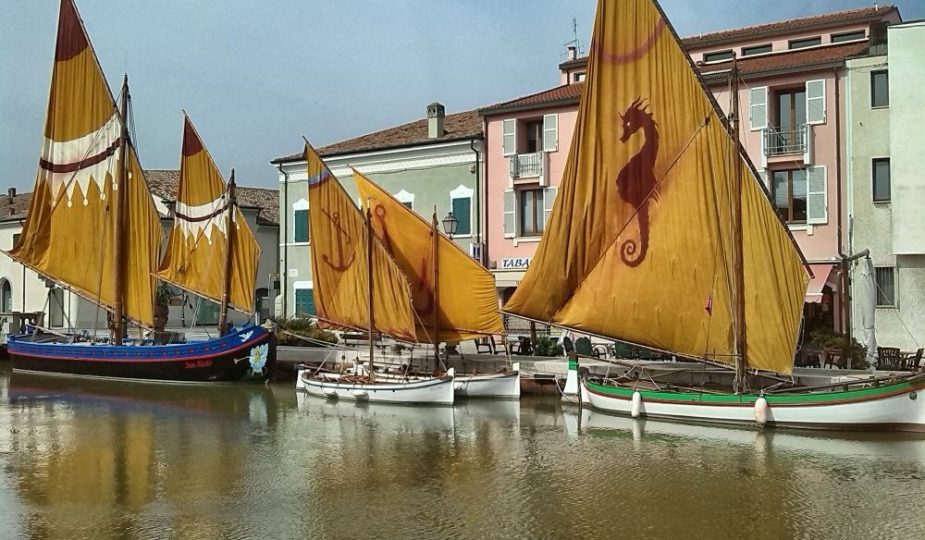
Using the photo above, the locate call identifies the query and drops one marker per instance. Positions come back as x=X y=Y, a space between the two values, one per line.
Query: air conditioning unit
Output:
x=475 y=249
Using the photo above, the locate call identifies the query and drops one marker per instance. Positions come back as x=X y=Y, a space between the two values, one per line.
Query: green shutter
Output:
x=304 y=303
x=462 y=211
x=301 y=226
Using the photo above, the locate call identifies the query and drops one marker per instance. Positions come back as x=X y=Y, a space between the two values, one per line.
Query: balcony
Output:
x=527 y=165
x=780 y=142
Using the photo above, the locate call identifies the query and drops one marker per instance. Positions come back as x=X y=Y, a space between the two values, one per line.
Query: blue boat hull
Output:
x=245 y=354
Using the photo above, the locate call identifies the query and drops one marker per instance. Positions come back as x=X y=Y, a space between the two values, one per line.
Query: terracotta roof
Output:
x=790 y=25
x=163 y=183
x=459 y=126
x=799 y=59
x=560 y=95
x=14 y=208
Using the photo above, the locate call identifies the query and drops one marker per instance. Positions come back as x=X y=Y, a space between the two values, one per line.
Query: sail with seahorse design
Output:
x=195 y=255
x=340 y=267
x=640 y=244
x=466 y=301
x=71 y=214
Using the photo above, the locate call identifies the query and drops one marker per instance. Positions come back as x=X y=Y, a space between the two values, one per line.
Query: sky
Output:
x=257 y=76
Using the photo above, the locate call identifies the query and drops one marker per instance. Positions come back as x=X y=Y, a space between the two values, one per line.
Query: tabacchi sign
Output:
x=515 y=263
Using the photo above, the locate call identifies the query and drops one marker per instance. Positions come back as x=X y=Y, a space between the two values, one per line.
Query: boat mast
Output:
x=436 y=294
x=118 y=241
x=741 y=344
x=369 y=284
x=229 y=238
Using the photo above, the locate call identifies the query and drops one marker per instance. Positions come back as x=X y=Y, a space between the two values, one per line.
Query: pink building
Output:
x=792 y=107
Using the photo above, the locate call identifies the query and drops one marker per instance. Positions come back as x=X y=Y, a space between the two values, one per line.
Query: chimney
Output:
x=11 y=192
x=435 y=115
x=572 y=52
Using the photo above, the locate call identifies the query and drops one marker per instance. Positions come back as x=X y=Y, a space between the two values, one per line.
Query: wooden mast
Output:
x=118 y=251
x=741 y=343
x=369 y=285
x=436 y=293
x=229 y=255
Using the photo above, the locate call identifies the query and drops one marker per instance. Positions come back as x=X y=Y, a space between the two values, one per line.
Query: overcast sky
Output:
x=256 y=76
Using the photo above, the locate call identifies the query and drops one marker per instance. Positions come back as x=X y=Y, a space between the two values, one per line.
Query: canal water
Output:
x=99 y=459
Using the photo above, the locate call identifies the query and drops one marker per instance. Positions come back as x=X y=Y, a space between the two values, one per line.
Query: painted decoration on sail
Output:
x=338 y=236
x=466 y=300
x=195 y=256
x=71 y=213
x=640 y=239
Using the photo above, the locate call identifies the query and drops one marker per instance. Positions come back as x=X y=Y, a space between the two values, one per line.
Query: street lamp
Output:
x=449 y=225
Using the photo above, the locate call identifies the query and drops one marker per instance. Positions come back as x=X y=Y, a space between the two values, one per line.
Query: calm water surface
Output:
x=95 y=459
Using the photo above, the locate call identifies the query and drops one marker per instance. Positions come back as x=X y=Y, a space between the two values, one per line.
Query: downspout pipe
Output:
x=284 y=271
x=844 y=260
x=485 y=259
x=478 y=200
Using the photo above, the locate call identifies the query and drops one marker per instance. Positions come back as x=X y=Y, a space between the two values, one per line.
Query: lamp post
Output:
x=449 y=225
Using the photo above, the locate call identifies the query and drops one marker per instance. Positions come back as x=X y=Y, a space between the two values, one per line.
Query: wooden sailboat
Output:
x=663 y=236
x=357 y=285
x=91 y=204
x=453 y=296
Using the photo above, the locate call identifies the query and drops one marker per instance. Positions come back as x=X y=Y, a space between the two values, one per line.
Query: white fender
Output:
x=761 y=411
x=458 y=386
x=360 y=394
x=637 y=404
x=451 y=373
x=330 y=393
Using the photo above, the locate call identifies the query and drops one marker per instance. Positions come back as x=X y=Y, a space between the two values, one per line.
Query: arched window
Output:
x=6 y=296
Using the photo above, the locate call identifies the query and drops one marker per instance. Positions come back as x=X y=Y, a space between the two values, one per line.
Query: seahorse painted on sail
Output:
x=636 y=182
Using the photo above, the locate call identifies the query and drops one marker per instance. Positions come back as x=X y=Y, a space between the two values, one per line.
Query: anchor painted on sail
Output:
x=341 y=264
x=636 y=182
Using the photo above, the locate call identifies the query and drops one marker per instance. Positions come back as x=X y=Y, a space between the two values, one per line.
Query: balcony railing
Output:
x=527 y=165
x=781 y=141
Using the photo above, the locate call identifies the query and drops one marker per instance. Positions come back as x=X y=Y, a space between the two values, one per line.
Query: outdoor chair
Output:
x=486 y=344
x=889 y=359
x=913 y=361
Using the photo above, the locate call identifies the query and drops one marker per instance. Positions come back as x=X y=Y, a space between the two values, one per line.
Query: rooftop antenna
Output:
x=574 y=42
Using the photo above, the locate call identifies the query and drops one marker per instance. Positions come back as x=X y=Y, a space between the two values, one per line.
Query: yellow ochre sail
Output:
x=466 y=302
x=340 y=272
x=195 y=257
x=639 y=246
x=71 y=217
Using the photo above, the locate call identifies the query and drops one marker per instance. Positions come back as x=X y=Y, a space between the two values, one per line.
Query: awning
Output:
x=821 y=274
x=508 y=278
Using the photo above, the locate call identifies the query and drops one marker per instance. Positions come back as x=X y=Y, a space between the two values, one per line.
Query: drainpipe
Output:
x=22 y=223
x=284 y=214
x=485 y=259
x=478 y=200
x=844 y=260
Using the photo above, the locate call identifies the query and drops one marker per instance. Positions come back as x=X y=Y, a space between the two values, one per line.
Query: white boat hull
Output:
x=437 y=391
x=890 y=407
x=495 y=385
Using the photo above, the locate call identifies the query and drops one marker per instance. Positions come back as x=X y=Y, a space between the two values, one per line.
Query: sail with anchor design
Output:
x=340 y=267
x=71 y=215
x=466 y=302
x=640 y=242
x=195 y=256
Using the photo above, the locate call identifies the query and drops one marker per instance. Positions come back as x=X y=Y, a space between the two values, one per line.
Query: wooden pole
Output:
x=118 y=251
x=369 y=286
x=741 y=336
x=436 y=302
x=229 y=255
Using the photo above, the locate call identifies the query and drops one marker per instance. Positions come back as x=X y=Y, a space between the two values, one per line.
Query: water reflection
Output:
x=98 y=459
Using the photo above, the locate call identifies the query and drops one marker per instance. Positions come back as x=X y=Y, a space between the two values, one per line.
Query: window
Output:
x=16 y=237
x=849 y=36
x=886 y=286
x=879 y=89
x=530 y=212
x=461 y=206
x=56 y=307
x=304 y=302
x=534 y=137
x=300 y=221
x=6 y=297
x=578 y=77
x=756 y=49
x=406 y=199
x=806 y=42
x=880 y=170
x=791 y=109
x=207 y=312
x=717 y=56
x=789 y=191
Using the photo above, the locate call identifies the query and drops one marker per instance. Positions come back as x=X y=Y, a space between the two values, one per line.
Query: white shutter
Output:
x=509 y=207
x=815 y=101
x=758 y=103
x=549 y=197
x=508 y=136
x=550 y=132
x=816 y=197
x=807 y=146
x=763 y=176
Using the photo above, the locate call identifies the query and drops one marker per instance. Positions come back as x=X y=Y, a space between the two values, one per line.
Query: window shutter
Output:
x=815 y=101
x=508 y=136
x=550 y=132
x=758 y=103
x=462 y=211
x=301 y=226
x=509 y=206
x=304 y=302
x=763 y=176
x=549 y=197
x=816 y=198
